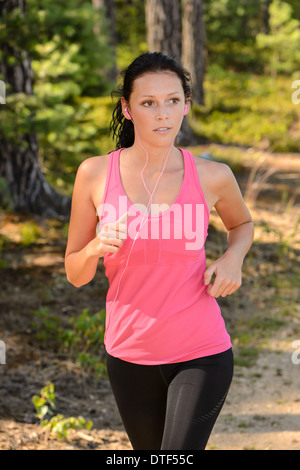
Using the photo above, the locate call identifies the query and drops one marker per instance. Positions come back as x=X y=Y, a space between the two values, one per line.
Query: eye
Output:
x=147 y=103
x=176 y=100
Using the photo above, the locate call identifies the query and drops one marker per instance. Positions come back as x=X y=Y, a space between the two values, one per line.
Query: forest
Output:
x=59 y=65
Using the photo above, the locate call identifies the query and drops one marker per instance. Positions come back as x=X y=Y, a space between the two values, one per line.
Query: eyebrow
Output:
x=153 y=96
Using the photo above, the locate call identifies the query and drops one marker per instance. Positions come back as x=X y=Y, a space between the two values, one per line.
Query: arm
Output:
x=238 y=222
x=81 y=260
x=240 y=239
x=84 y=246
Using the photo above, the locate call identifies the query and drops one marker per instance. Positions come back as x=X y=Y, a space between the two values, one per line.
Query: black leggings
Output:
x=171 y=406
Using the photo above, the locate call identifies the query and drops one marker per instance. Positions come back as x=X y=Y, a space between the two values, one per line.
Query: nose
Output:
x=162 y=113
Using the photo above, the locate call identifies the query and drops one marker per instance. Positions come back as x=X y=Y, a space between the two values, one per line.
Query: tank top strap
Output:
x=111 y=179
x=190 y=167
x=114 y=159
x=113 y=175
x=192 y=176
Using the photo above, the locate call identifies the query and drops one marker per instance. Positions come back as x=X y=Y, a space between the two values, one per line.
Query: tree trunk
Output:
x=164 y=27
x=19 y=159
x=164 y=34
x=266 y=16
x=110 y=14
x=193 y=45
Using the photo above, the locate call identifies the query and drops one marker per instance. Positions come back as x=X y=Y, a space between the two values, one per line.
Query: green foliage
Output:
x=70 y=110
x=58 y=424
x=234 y=114
x=87 y=330
x=69 y=60
x=127 y=53
x=45 y=401
x=231 y=27
x=232 y=19
x=281 y=45
x=68 y=50
x=246 y=357
x=130 y=19
x=240 y=37
x=46 y=324
x=29 y=233
x=82 y=341
x=286 y=240
x=3 y=242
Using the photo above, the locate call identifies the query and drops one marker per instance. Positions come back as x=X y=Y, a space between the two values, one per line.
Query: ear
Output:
x=187 y=107
x=125 y=111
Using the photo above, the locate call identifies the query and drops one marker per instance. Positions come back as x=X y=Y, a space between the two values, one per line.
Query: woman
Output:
x=169 y=356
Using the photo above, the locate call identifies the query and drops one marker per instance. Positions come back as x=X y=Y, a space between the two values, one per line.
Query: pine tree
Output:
x=281 y=44
x=50 y=56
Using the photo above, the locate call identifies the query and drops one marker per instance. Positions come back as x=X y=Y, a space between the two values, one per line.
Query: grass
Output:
x=82 y=340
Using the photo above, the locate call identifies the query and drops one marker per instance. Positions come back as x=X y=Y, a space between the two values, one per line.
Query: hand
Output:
x=228 y=271
x=111 y=236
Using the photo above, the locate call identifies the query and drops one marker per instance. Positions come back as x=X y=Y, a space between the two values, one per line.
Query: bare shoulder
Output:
x=211 y=176
x=92 y=167
x=92 y=173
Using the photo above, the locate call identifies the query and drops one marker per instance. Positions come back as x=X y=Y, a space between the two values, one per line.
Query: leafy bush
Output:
x=281 y=45
x=58 y=424
x=247 y=110
x=82 y=341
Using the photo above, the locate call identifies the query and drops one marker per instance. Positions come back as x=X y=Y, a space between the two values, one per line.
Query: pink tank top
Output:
x=158 y=310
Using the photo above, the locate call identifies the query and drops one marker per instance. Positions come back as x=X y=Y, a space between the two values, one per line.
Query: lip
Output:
x=162 y=130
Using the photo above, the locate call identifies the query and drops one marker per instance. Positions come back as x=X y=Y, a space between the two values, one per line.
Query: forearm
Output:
x=240 y=240
x=81 y=265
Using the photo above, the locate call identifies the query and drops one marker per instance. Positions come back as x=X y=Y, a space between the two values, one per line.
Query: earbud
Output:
x=185 y=110
x=126 y=113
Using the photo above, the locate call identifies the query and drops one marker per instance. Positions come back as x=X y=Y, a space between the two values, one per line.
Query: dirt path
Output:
x=263 y=407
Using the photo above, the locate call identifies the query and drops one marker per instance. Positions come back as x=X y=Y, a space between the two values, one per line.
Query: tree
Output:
x=266 y=16
x=108 y=6
x=281 y=44
x=164 y=33
x=193 y=45
x=19 y=162
x=50 y=58
x=164 y=26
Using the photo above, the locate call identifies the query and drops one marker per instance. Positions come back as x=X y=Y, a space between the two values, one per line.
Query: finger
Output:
x=207 y=277
x=111 y=236
x=235 y=287
x=228 y=290
x=217 y=287
x=122 y=219
x=110 y=249
x=121 y=225
x=115 y=242
x=122 y=232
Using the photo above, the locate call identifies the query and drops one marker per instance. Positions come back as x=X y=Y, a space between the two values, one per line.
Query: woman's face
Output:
x=156 y=106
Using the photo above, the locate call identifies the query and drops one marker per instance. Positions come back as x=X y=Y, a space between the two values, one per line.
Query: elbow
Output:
x=242 y=223
x=75 y=284
x=72 y=279
x=77 y=281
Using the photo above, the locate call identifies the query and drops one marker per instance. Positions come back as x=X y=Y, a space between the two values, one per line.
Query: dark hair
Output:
x=122 y=128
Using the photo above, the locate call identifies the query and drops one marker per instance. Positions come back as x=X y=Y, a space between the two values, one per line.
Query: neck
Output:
x=156 y=156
